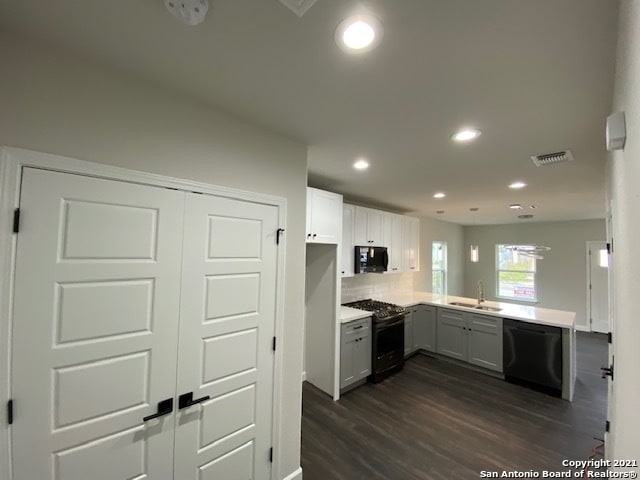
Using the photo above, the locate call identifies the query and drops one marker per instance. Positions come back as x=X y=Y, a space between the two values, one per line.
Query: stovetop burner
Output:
x=380 y=309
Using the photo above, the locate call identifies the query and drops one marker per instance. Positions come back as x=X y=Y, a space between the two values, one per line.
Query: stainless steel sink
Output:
x=486 y=308
x=475 y=306
x=463 y=304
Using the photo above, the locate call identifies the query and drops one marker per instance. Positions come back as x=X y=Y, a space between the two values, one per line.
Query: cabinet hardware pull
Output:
x=186 y=400
x=165 y=407
x=358 y=327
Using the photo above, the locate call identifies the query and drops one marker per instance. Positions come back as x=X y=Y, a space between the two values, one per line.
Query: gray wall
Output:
x=624 y=193
x=562 y=274
x=57 y=103
x=436 y=230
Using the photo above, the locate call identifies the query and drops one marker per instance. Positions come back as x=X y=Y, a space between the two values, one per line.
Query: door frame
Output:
x=12 y=162
x=590 y=243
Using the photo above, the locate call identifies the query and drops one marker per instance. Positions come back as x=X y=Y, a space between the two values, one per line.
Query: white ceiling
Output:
x=536 y=76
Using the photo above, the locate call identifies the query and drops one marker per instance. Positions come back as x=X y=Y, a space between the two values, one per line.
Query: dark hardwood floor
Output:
x=437 y=420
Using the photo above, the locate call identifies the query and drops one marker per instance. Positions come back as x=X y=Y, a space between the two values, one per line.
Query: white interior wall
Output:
x=435 y=230
x=320 y=313
x=624 y=189
x=58 y=103
x=561 y=276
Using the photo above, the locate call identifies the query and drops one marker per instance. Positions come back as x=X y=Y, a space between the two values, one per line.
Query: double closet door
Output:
x=142 y=328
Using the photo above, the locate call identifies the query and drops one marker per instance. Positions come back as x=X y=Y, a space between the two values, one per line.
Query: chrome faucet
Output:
x=480 y=292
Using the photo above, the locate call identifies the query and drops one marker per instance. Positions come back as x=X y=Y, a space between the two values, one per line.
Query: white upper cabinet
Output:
x=393 y=226
x=324 y=216
x=411 y=241
x=348 y=220
x=368 y=227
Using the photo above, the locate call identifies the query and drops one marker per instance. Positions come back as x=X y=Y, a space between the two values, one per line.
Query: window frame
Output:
x=442 y=271
x=499 y=270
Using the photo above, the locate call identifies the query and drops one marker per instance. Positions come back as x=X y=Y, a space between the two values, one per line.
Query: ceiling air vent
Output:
x=299 y=7
x=552 y=158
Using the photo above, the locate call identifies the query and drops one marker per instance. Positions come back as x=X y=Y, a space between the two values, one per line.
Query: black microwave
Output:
x=371 y=259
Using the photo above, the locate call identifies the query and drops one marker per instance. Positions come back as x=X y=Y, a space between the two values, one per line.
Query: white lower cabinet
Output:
x=424 y=328
x=152 y=313
x=470 y=337
x=408 y=332
x=355 y=352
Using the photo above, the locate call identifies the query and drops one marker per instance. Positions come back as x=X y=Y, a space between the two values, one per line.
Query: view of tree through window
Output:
x=516 y=274
x=439 y=267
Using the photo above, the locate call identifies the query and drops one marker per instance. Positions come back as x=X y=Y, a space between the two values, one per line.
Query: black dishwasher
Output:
x=532 y=355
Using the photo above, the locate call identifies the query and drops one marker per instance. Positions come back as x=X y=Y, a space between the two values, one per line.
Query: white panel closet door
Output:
x=226 y=329
x=95 y=326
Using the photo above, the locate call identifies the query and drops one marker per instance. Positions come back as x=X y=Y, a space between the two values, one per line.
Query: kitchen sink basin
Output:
x=475 y=306
x=463 y=304
x=486 y=308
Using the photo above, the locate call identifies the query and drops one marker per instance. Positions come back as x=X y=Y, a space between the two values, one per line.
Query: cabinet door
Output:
x=411 y=241
x=485 y=341
x=368 y=227
x=361 y=223
x=424 y=328
x=452 y=334
x=408 y=333
x=392 y=239
x=348 y=219
x=347 y=363
x=375 y=226
x=325 y=225
x=362 y=357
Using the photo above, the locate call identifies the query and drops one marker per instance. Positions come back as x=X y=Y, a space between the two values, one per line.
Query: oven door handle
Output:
x=391 y=322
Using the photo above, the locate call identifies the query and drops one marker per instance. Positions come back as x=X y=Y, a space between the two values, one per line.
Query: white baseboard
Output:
x=296 y=475
x=304 y=376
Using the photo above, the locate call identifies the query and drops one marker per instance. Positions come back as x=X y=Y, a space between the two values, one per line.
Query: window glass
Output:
x=516 y=273
x=439 y=267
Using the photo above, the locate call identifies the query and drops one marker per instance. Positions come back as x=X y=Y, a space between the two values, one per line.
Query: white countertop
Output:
x=348 y=314
x=526 y=313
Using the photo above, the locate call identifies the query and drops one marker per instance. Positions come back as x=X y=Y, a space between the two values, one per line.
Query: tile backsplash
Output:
x=372 y=285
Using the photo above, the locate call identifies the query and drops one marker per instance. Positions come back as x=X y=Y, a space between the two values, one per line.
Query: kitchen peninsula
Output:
x=479 y=328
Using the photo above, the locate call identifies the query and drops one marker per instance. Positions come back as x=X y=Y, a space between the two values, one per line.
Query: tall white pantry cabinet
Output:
x=143 y=331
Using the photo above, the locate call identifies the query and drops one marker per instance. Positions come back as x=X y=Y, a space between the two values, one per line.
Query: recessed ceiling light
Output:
x=515 y=206
x=361 y=164
x=439 y=195
x=516 y=185
x=439 y=212
x=359 y=33
x=466 y=135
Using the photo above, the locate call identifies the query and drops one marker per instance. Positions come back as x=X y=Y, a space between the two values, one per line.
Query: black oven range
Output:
x=387 y=346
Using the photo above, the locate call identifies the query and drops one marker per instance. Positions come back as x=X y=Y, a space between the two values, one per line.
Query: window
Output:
x=439 y=267
x=516 y=273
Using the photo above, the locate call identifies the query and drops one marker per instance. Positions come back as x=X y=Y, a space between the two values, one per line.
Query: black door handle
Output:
x=186 y=400
x=165 y=407
x=607 y=372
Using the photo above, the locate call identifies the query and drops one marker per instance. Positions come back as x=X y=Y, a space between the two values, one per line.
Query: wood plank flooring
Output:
x=436 y=420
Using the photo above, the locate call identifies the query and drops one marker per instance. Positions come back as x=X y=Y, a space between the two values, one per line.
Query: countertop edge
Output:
x=536 y=314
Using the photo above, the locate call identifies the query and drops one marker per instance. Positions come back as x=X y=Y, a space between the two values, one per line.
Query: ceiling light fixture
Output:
x=466 y=135
x=517 y=185
x=515 y=206
x=474 y=250
x=191 y=12
x=439 y=212
x=439 y=195
x=359 y=33
x=533 y=251
x=361 y=164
